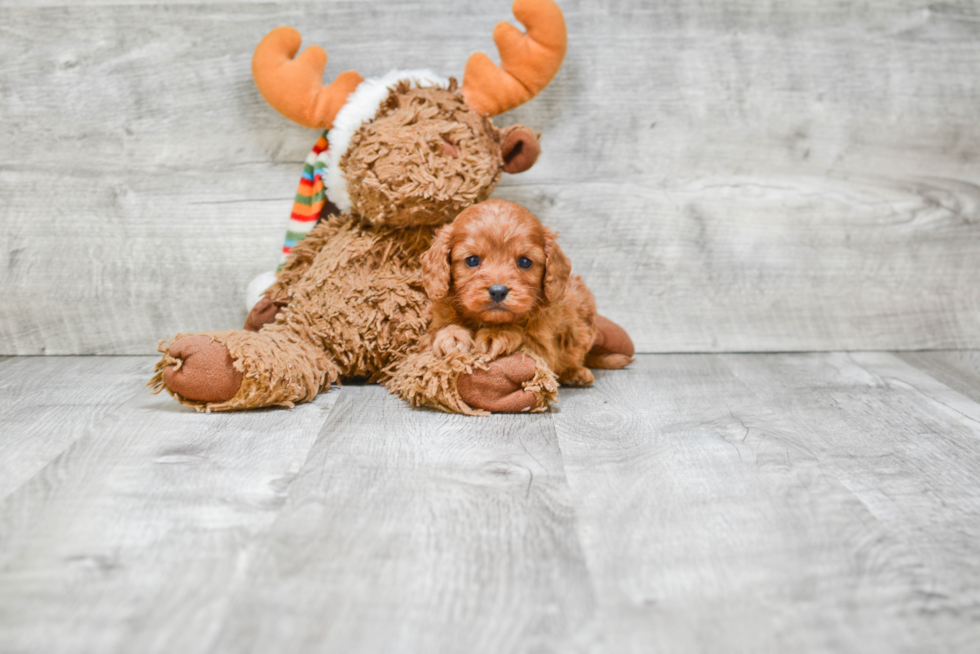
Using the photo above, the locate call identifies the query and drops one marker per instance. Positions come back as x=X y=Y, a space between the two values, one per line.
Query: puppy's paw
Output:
x=577 y=377
x=452 y=339
x=494 y=343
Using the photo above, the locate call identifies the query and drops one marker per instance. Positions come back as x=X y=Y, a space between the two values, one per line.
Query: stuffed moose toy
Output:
x=402 y=155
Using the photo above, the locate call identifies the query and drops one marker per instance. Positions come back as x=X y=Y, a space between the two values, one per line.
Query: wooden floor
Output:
x=693 y=503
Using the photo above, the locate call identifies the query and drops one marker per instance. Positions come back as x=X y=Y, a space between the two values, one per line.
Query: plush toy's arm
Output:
x=277 y=295
x=462 y=382
x=310 y=208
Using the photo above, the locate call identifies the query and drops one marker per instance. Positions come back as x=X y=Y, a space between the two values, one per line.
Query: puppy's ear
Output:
x=435 y=265
x=557 y=268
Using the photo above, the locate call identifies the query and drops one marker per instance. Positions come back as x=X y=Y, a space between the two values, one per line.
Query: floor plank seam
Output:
x=599 y=627
x=68 y=446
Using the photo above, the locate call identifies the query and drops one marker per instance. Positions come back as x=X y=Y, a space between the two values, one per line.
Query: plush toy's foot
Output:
x=613 y=347
x=237 y=369
x=262 y=313
x=201 y=370
x=500 y=388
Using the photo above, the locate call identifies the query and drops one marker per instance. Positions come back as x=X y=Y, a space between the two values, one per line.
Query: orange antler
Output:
x=294 y=87
x=529 y=61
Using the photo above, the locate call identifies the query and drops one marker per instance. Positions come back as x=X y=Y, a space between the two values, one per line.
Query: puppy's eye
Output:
x=524 y=262
x=473 y=261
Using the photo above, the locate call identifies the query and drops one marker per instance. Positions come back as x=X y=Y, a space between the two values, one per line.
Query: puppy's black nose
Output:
x=498 y=292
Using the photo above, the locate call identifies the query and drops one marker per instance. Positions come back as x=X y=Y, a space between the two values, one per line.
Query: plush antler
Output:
x=529 y=61
x=294 y=87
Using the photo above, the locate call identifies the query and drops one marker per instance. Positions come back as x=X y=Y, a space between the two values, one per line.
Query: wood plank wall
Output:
x=727 y=176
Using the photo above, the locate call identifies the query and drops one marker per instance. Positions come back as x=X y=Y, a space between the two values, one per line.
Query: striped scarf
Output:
x=311 y=202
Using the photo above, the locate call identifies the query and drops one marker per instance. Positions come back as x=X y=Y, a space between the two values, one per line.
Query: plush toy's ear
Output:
x=557 y=268
x=435 y=265
x=520 y=148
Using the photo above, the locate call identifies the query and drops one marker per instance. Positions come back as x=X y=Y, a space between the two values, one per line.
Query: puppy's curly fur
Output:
x=499 y=283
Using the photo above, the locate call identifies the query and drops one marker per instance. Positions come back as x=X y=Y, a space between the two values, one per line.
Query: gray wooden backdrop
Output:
x=727 y=176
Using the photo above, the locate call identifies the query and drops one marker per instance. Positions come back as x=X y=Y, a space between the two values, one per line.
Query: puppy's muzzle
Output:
x=498 y=292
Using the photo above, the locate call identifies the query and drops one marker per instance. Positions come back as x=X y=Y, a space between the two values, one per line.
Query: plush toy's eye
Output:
x=524 y=262
x=473 y=261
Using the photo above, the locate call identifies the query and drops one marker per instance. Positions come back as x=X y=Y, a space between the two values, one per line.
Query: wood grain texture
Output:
x=691 y=503
x=773 y=503
x=48 y=403
x=414 y=531
x=132 y=539
x=115 y=278
x=806 y=263
x=958 y=370
x=727 y=175
x=909 y=449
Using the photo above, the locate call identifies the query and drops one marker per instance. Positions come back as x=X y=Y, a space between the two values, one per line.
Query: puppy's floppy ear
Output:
x=435 y=265
x=557 y=268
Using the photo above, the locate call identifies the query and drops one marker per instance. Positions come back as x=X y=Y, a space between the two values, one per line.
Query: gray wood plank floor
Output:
x=692 y=503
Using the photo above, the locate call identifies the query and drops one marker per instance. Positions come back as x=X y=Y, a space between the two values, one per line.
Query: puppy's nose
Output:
x=498 y=292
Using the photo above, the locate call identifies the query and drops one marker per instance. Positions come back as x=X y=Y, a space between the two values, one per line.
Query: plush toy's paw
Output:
x=262 y=313
x=613 y=347
x=500 y=388
x=577 y=377
x=257 y=287
x=452 y=339
x=493 y=343
x=202 y=370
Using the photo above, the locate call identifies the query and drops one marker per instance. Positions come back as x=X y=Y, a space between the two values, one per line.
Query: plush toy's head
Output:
x=410 y=148
x=426 y=156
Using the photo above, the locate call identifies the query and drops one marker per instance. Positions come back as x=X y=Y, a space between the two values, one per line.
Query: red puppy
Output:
x=499 y=283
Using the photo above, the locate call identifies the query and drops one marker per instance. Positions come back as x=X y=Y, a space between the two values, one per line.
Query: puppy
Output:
x=499 y=283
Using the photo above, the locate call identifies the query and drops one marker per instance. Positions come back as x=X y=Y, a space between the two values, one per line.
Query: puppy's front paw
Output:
x=493 y=343
x=577 y=377
x=452 y=339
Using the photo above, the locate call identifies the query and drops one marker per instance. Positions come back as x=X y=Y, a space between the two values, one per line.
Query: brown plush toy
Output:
x=407 y=152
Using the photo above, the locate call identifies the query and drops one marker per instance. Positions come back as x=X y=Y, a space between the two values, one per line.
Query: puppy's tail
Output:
x=612 y=348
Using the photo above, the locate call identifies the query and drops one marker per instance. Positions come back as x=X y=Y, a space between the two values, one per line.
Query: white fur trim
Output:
x=361 y=107
x=257 y=287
